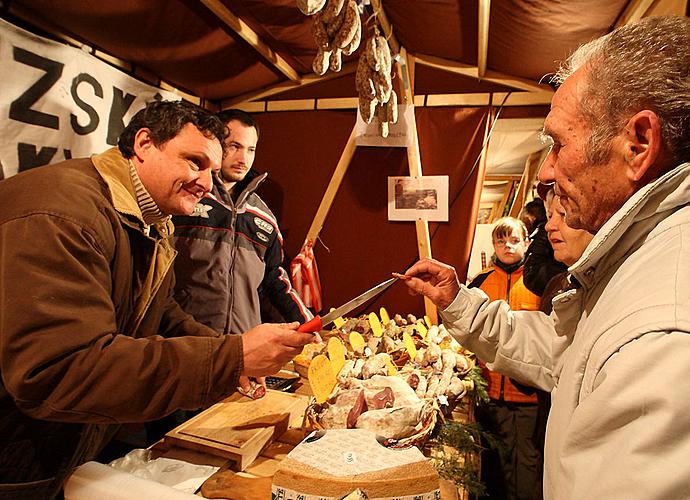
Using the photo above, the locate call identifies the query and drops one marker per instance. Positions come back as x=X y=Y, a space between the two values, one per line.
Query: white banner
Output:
x=59 y=102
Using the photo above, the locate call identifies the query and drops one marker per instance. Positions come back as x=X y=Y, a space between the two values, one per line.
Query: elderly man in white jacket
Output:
x=616 y=351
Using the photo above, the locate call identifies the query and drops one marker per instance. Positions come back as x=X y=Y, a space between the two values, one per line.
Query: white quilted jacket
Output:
x=615 y=353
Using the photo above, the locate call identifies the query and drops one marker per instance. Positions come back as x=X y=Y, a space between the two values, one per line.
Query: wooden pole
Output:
x=415 y=165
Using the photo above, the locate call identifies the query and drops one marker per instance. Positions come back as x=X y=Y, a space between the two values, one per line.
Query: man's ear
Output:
x=643 y=145
x=143 y=143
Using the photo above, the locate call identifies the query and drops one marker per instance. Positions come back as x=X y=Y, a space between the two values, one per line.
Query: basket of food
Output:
x=390 y=376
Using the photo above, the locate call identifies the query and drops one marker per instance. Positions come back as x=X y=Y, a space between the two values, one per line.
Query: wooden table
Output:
x=254 y=481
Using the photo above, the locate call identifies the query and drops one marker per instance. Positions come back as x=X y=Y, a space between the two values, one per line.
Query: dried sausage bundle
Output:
x=375 y=86
x=337 y=30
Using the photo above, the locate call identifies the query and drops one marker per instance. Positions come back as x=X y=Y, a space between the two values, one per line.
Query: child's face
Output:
x=511 y=248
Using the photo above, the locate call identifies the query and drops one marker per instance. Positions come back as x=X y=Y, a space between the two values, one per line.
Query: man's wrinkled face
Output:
x=511 y=248
x=240 y=151
x=177 y=173
x=589 y=194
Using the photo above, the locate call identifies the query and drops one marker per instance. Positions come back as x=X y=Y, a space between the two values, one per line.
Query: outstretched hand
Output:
x=268 y=347
x=433 y=279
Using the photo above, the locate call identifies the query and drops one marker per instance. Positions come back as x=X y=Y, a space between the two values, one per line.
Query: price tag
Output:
x=409 y=345
x=339 y=321
x=375 y=325
x=385 y=318
x=336 y=353
x=427 y=321
x=422 y=330
x=321 y=378
x=392 y=370
x=357 y=341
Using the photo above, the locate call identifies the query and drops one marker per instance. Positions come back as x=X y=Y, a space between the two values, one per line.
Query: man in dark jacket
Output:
x=230 y=249
x=89 y=333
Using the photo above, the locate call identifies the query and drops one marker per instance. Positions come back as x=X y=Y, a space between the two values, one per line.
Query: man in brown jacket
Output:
x=89 y=333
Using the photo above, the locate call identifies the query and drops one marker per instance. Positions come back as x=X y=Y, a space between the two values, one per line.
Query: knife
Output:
x=318 y=322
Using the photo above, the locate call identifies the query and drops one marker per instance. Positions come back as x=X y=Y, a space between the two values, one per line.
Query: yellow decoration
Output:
x=422 y=330
x=409 y=345
x=385 y=319
x=339 y=321
x=427 y=321
x=392 y=370
x=321 y=378
x=375 y=325
x=357 y=341
x=336 y=353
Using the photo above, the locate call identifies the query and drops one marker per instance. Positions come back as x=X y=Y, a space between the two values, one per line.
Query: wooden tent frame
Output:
x=531 y=94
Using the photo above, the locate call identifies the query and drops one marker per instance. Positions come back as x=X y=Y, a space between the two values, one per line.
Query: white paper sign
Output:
x=399 y=134
x=59 y=102
x=418 y=198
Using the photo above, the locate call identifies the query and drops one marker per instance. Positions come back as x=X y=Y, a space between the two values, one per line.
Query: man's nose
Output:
x=241 y=156
x=206 y=179
x=546 y=174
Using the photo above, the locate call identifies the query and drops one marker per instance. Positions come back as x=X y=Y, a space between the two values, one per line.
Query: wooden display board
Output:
x=239 y=428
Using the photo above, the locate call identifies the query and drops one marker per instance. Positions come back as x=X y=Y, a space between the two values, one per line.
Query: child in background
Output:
x=512 y=472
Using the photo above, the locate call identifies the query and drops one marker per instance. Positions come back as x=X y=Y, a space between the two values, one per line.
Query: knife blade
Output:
x=318 y=322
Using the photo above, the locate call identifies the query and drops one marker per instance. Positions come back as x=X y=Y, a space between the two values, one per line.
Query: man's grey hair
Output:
x=645 y=65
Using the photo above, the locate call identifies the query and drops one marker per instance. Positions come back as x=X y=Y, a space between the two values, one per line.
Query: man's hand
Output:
x=433 y=279
x=268 y=347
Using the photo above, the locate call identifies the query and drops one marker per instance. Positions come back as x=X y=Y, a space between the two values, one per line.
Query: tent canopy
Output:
x=459 y=55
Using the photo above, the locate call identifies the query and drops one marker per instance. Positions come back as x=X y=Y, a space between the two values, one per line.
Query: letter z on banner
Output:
x=58 y=102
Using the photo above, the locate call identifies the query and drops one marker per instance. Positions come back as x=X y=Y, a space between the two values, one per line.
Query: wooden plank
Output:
x=292 y=105
x=501 y=178
x=337 y=103
x=524 y=98
x=473 y=72
x=272 y=90
x=483 y=36
x=251 y=37
x=633 y=12
x=415 y=165
x=520 y=196
x=667 y=8
x=332 y=189
x=507 y=192
x=238 y=427
x=470 y=100
x=432 y=100
x=481 y=175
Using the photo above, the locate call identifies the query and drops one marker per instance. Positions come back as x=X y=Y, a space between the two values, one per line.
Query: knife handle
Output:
x=312 y=326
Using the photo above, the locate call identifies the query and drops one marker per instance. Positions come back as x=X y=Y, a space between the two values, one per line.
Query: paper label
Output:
x=357 y=341
x=336 y=353
x=409 y=345
x=321 y=378
x=422 y=330
x=339 y=321
x=375 y=325
x=392 y=370
x=385 y=318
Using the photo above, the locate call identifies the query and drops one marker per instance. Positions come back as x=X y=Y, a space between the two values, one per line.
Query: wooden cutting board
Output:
x=238 y=427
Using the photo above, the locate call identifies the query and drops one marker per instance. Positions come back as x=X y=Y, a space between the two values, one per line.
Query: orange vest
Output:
x=499 y=285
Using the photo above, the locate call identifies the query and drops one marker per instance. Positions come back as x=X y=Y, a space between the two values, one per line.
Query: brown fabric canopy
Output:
x=202 y=48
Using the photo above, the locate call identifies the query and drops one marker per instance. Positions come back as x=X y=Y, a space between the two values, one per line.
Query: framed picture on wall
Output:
x=418 y=198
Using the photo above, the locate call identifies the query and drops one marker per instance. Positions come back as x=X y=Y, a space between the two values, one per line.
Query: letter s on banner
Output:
x=60 y=102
